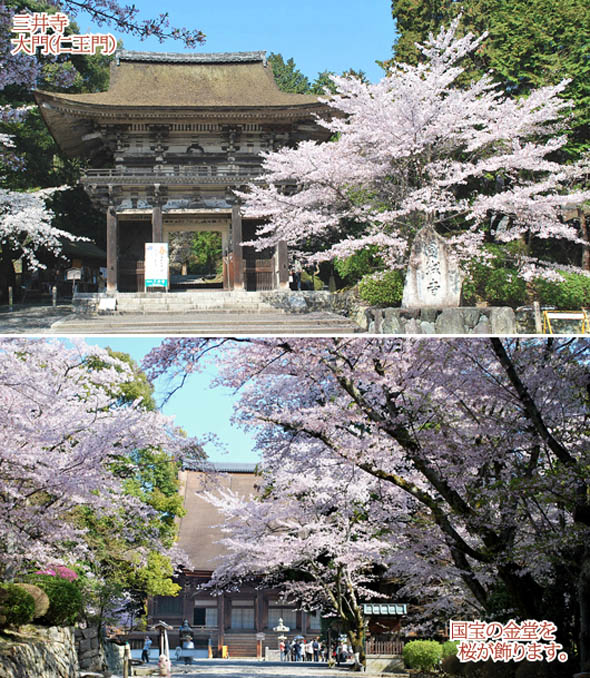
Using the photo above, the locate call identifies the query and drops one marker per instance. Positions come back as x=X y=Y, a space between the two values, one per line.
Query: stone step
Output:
x=193 y=308
x=210 y=324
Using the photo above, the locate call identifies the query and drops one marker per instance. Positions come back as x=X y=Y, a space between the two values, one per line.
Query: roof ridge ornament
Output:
x=191 y=57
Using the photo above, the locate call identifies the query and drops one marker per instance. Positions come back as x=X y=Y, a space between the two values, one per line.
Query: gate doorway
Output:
x=196 y=260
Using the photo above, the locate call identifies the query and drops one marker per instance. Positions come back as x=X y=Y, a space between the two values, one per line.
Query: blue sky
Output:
x=196 y=407
x=319 y=35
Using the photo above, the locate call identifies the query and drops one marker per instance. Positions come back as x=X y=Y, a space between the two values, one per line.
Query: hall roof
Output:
x=155 y=87
x=198 y=532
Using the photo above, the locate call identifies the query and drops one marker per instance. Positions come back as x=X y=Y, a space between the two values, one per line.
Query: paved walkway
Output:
x=236 y=668
x=31 y=319
x=62 y=321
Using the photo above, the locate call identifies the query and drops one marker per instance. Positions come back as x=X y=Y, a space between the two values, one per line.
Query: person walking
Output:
x=145 y=653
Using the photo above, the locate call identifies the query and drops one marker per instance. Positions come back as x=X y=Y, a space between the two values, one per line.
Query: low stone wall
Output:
x=89 y=649
x=379 y=664
x=454 y=321
x=39 y=652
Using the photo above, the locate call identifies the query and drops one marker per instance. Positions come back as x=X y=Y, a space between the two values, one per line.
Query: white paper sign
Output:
x=156 y=264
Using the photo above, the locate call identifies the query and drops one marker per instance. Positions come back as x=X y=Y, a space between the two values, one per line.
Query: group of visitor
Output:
x=300 y=650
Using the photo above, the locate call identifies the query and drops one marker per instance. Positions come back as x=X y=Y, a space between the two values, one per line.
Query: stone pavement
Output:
x=248 y=668
x=31 y=319
x=62 y=321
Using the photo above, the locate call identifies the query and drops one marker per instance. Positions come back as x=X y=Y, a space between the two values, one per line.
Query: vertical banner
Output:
x=156 y=264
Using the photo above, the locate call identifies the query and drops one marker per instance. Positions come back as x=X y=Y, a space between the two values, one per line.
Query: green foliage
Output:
x=449 y=648
x=39 y=596
x=531 y=43
x=323 y=84
x=287 y=76
x=494 y=282
x=382 y=289
x=290 y=79
x=422 y=654
x=572 y=294
x=497 y=282
x=358 y=265
x=311 y=282
x=206 y=254
x=65 y=599
x=116 y=542
x=17 y=606
x=138 y=387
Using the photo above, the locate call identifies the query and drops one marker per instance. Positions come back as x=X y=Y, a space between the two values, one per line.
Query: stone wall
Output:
x=454 y=321
x=40 y=652
x=89 y=649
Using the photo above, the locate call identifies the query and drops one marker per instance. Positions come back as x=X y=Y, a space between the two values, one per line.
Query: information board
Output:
x=156 y=264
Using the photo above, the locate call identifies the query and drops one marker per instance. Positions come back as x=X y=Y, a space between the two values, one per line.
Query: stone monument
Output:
x=433 y=278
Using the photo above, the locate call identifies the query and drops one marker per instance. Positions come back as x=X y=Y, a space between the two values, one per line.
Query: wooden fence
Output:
x=394 y=646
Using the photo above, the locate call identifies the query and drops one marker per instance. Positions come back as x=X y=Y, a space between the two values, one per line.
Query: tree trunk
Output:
x=7 y=275
x=356 y=638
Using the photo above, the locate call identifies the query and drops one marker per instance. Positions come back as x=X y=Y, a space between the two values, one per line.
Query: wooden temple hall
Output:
x=245 y=620
x=236 y=620
x=166 y=146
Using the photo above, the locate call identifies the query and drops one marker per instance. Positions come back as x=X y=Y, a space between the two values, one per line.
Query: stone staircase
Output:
x=240 y=644
x=219 y=301
x=207 y=324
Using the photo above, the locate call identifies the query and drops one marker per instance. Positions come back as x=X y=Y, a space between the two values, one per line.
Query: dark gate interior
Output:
x=259 y=265
x=133 y=236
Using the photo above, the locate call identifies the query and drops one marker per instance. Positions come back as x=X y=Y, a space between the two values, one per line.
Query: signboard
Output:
x=156 y=264
x=74 y=274
x=260 y=636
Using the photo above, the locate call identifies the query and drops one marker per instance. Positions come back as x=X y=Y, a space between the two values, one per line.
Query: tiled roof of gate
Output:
x=228 y=79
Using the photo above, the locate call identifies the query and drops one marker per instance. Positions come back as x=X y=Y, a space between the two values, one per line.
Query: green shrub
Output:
x=39 y=596
x=17 y=606
x=449 y=648
x=357 y=265
x=422 y=654
x=65 y=599
x=571 y=295
x=311 y=282
x=494 y=283
x=382 y=289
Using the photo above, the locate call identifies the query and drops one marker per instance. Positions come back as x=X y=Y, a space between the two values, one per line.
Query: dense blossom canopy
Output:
x=483 y=445
x=63 y=428
x=416 y=149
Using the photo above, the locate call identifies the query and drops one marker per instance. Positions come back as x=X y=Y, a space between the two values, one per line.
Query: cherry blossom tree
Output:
x=30 y=229
x=484 y=444
x=417 y=151
x=66 y=428
x=25 y=225
x=308 y=534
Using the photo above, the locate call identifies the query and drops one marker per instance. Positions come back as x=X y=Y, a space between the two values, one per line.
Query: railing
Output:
x=203 y=171
x=388 y=647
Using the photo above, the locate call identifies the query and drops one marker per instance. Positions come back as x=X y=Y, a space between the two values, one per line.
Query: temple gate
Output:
x=168 y=144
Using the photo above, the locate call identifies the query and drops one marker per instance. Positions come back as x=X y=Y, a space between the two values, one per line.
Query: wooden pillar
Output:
x=112 y=250
x=220 y=622
x=236 y=227
x=283 y=265
x=157 y=228
x=258 y=620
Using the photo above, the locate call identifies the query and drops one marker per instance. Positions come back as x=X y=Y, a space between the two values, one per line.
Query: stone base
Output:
x=452 y=321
